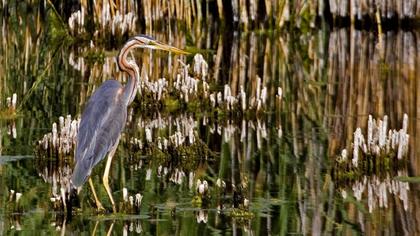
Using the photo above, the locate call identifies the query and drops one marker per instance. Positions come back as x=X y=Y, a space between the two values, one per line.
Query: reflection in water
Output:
x=276 y=111
x=202 y=216
x=58 y=176
x=133 y=227
x=378 y=190
x=376 y=157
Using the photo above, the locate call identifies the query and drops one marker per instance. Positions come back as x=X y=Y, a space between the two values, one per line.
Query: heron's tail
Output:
x=79 y=177
x=81 y=173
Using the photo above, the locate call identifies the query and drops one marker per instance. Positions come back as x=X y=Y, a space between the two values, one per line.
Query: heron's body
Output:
x=100 y=127
x=105 y=115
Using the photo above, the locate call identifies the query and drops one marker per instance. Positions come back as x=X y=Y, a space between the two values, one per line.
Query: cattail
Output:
x=12 y=194
x=148 y=135
x=125 y=195
x=149 y=174
x=356 y=144
x=279 y=132
x=220 y=183
x=202 y=216
x=263 y=95
x=139 y=229
x=131 y=201
x=344 y=155
x=200 y=66
x=246 y=202
x=202 y=187
x=9 y=102
x=139 y=197
x=54 y=135
x=14 y=100
x=279 y=93
x=243 y=98
x=405 y=123
x=219 y=98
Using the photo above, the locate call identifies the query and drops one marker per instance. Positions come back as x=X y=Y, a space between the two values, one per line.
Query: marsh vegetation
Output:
x=266 y=128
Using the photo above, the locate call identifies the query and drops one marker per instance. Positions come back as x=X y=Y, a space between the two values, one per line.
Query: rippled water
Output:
x=279 y=153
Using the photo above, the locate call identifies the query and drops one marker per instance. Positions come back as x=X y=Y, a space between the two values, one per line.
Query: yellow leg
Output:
x=98 y=203
x=106 y=175
x=95 y=228
x=110 y=229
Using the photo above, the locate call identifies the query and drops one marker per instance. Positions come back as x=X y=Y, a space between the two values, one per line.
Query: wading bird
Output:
x=105 y=115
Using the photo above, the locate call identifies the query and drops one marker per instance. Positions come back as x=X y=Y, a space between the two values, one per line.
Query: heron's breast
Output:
x=119 y=94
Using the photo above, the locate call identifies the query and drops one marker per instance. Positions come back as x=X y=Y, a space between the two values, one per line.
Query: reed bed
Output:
x=61 y=141
x=253 y=12
x=58 y=175
x=247 y=13
x=311 y=81
x=395 y=88
x=379 y=143
x=385 y=9
x=25 y=57
x=354 y=61
x=371 y=168
x=292 y=74
x=109 y=18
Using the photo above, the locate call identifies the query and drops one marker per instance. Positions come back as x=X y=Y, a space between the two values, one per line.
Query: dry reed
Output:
x=119 y=17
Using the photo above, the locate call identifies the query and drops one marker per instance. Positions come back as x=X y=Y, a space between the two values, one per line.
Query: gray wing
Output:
x=101 y=124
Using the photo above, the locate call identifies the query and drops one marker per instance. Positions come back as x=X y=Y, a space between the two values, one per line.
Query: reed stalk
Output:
x=246 y=12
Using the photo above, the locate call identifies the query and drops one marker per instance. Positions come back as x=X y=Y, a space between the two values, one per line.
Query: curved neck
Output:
x=130 y=89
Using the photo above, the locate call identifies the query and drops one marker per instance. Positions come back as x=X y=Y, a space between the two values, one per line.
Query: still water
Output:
x=263 y=124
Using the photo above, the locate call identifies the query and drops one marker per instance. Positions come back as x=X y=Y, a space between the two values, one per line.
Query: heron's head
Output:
x=145 y=41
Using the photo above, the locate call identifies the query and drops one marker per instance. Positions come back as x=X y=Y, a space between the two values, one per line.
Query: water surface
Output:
x=280 y=156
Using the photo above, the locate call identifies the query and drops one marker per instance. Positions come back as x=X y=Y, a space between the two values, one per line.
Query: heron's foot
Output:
x=99 y=206
x=108 y=190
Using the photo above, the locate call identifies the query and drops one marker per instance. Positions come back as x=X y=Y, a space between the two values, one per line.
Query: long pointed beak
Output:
x=165 y=47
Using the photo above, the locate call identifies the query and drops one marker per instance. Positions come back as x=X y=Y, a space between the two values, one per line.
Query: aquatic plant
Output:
x=11 y=102
x=111 y=19
x=202 y=216
x=374 y=164
x=133 y=226
x=130 y=204
x=58 y=175
x=14 y=201
x=380 y=143
x=62 y=139
x=9 y=112
x=202 y=195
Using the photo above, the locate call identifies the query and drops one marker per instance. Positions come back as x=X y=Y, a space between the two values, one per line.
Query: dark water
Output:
x=279 y=155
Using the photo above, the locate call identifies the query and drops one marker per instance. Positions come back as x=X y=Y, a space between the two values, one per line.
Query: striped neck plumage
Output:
x=130 y=89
